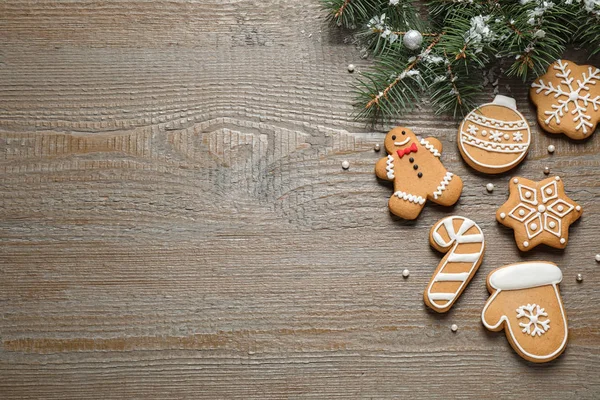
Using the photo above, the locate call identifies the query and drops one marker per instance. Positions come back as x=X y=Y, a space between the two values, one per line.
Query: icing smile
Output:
x=402 y=143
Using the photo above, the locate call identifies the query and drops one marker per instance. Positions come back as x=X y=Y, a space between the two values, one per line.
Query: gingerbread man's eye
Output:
x=404 y=132
x=393 y=137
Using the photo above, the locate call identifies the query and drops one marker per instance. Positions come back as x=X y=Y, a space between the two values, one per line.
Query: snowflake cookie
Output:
x=539 y=212
x=567 y=97
x=414 y=165
x=518 y=292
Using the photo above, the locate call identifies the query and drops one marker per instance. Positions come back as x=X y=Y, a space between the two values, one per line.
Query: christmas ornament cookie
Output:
x=414 y=166
x=525 y=301
x=462 y=241
x=539 y=212
x=494 y=137
x=567 y=97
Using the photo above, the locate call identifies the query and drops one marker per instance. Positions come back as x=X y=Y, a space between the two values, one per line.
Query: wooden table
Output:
x=175 y=221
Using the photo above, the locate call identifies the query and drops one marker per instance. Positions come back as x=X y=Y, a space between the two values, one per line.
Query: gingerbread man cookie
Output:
x=539 y=212
x=526 y=303
x=414 y=166
x=567 y=97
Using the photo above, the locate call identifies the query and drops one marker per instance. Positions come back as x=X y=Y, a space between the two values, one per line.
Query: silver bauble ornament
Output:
x=412 y=39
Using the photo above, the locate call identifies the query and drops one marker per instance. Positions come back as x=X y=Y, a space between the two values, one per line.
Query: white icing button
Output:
x=345 y=164
x=557 y=178
x=528 y=194
x=506 y=136
x=541 y=208
x=549 y=191
x=579 y=278
x=560 y=208
x=533 y=227
x=525 y=244
x=502 y=215
x=597 y=257
x=405 y=273
x=563 y=240
x=483 y=132
x=350 y=68
x=377 y=147
x=490 y=187
x=454 y=327
x=551 y=148
x=521 y=212
x=578 y=208
x=515 y=180
x=552 y=224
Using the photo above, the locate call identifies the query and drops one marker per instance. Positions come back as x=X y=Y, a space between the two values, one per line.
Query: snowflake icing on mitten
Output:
x=533 y=312
x=568 y=99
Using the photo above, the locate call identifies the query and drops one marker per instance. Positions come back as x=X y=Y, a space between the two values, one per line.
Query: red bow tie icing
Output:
x=411 y=149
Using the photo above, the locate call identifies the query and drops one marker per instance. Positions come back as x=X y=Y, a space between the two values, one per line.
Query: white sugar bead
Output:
x=579 y=278
x=345 y=164
x=597 y=257
x=551 y=148
x=490 y=187
x=350 y=68
x=405 y=273
x=454 y=327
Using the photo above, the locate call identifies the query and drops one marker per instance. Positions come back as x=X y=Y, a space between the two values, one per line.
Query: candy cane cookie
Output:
x=462 y=241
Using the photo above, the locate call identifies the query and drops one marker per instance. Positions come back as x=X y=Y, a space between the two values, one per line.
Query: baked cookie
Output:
x=494 y=137
x=525 y=301
x=567 y=97
x=539 y=212
x=462 y=241
x=414 y=166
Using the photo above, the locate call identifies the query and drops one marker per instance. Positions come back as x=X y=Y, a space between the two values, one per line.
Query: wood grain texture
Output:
x=175 y=223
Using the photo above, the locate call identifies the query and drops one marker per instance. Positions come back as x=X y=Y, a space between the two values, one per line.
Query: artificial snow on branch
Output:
x=443 y=49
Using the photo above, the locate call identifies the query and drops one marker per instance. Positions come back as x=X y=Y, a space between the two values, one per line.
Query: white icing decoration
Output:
x=402 y=143
x=456 y=239
x=533 y=312
x=502 y=215
x=389 y=167
x=472 y=129
x=578 y=208
x=515 y=180
x=569 y=95
x=430 y=147
x=443 y=185
x=523 y=276
x=492 y=147
x=563 y=240
x=526 y=244
x=518 y=137
x=409 y=197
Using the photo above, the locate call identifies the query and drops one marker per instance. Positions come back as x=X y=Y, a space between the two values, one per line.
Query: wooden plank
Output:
x=175 y=221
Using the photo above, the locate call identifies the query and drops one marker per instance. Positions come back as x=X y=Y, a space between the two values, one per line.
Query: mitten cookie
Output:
x=494 y=137
x=526 y=303
x=567 y=97
x=414 y=166
x=462 y=240
x=539 y=212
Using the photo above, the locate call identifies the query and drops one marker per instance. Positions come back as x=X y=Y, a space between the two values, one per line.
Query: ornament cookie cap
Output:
x=567 y=97
x=539 y=212
x=494 y=137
